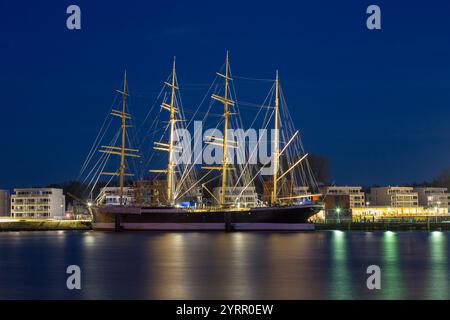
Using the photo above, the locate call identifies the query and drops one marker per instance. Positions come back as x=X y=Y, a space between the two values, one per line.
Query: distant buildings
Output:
x=302 y=191
x=110 y=196
x=154 y=193
x=303 y=195
x=390 y=202
x=397 y=213
x=150 y=192
x=339 y=201
x=433 y=197
x=394 y=197
x=285 y=189
x=38 y=203
x=237 y=196
x=347 y=197
x=4 y=203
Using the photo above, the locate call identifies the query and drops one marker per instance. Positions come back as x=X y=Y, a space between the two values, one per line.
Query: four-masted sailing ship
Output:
x=282 y=208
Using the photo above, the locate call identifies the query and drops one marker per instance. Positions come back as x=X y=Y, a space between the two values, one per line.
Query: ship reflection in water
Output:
x=315 y=265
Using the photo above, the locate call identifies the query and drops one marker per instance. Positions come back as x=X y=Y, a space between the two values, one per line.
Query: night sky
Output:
x=376 y=103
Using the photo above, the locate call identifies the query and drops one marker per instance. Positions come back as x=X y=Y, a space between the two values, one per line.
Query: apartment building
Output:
x=150 y=192
x=240 y=197
x=5 y=203
x=394 y=196
x=430 y=197
x=110 y=196
x=301 y=191
x=349 y=196
x=39 y=203
x=303 y=195
x=285 y=190
x=154 y=193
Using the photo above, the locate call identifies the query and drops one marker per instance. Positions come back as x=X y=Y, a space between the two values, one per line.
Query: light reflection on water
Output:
x=392 y=282
x=438 y=279
x=340 y=280
x=215 y=265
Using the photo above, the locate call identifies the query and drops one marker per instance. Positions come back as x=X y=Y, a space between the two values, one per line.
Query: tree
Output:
x=442 y=179
x=320 y=166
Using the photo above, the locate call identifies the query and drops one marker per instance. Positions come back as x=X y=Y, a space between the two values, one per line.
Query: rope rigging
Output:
x=185 y=176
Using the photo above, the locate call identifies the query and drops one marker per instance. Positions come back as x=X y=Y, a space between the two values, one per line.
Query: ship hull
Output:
x=264 y=218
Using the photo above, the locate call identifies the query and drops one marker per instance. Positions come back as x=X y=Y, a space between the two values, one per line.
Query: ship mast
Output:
x=169 y=147
x=225 y=135
x=276 y=152
x=122 y=151
x=170 y=164
x=124 y=128
x=223 y=142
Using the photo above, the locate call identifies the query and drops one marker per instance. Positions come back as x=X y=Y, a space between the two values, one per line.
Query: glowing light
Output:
x=436 y=234
x=89 y=239
x=389 y=234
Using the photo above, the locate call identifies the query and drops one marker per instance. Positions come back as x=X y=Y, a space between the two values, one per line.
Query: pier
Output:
x=384 y=226
x=43 y=225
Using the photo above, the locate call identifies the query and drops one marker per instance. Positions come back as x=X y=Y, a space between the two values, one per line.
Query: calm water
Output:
x=315 y=265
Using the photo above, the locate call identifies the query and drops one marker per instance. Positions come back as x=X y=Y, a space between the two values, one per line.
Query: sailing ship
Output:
x=282 y=210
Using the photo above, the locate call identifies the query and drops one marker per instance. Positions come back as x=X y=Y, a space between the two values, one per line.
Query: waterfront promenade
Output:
x=385 y=226
x=43 y=224
x=48 y=225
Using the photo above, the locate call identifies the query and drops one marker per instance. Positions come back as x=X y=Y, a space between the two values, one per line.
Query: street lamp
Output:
x=437 y=210
x=338 y=211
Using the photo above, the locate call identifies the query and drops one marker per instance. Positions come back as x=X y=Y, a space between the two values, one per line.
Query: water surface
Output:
x=216 y=265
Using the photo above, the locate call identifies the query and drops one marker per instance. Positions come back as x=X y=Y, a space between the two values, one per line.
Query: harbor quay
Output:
x=344 y=207
x=15 y=224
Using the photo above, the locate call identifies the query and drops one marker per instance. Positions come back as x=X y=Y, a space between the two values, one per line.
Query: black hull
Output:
x=136 y=218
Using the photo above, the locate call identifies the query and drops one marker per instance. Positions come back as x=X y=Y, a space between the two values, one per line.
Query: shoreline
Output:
x=55 y=225
x=384 y=226
x=44 y=225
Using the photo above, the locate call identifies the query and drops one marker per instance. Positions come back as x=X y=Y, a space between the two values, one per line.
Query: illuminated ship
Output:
x=281 y=206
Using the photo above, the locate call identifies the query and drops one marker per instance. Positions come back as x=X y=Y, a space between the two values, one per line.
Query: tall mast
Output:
x=276 y=152
x=170 y=164
x=223 y=142
x=169 y=147
x=123 y=151
x=225 y=135
x=124 y=128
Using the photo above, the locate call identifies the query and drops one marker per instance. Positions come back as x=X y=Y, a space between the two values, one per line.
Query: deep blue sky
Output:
x=377 y=103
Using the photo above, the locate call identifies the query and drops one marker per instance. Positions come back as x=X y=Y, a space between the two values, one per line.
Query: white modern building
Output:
x=5 y=203
x=43 y=203
x=356 y=196
x=111 y=196
x=240 y=197
x=302 y=193
x=431 y=197
x=393 y=197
